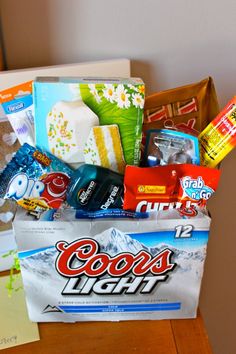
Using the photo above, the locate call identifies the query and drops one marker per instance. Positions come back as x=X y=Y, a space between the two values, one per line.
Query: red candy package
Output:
x=167 y=187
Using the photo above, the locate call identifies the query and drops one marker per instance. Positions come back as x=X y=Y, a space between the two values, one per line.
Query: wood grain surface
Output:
x=162 y=337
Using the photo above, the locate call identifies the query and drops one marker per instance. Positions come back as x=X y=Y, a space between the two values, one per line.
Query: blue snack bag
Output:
x=35 y=180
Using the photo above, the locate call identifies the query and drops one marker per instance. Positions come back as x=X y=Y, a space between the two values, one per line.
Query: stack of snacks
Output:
x=92 y=122
x=153 y=210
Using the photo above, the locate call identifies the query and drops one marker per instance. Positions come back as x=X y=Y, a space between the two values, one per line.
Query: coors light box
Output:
x=111 y=269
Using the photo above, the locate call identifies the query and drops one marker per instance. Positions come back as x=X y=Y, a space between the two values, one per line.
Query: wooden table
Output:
x=159 y=337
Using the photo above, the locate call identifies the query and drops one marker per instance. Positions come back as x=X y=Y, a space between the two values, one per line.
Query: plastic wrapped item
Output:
x=219 y=137
x=17 y=103
x=35 y=180
x=168 y=187
x=164 y=147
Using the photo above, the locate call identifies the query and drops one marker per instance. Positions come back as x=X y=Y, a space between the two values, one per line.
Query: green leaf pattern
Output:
x=122 y=105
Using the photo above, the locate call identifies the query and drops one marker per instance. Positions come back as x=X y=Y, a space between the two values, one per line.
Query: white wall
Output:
x=171 y=42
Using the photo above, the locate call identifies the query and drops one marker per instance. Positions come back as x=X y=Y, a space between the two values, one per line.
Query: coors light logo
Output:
x=90 y=270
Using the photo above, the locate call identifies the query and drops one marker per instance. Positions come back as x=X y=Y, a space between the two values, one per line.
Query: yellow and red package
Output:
x=167 y=187
x=219 y=137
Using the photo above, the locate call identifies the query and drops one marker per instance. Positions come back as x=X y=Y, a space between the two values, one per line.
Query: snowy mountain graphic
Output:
x=50 y=308
x=113 y=241
x=41 y=263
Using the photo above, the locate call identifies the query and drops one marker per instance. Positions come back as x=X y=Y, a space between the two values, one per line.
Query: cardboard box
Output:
x=111 y=269
x=67 y=108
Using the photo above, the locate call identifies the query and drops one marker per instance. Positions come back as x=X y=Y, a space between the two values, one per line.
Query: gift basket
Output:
x=111 y=191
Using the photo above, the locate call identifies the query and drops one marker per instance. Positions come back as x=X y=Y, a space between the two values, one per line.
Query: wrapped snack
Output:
x=168 y=187
x=17 y=103
x=35 y=180
x=188 y=108
x=164 y=147
x=104 y=148
x=219 y=137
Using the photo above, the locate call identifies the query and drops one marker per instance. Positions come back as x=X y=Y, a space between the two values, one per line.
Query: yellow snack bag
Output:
x=219 y=137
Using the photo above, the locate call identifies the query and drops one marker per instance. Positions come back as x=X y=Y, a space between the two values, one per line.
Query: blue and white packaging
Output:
x=17 y=103
x=111 y=269
x=165 y=147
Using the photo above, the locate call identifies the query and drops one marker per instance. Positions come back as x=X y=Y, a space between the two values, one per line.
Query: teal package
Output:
x=67 y=108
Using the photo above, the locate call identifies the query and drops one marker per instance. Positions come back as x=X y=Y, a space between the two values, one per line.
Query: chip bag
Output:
x=167 y=187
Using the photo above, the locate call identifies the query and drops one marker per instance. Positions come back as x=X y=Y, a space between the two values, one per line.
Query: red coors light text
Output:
x=95 y=264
